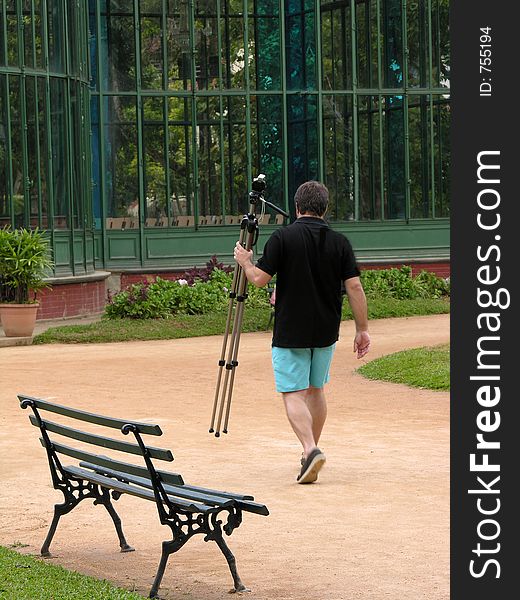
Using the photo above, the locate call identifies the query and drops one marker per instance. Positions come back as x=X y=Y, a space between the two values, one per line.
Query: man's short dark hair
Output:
x=312 y=198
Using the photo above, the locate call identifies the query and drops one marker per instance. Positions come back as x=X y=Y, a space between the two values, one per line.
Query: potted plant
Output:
x=24 y=262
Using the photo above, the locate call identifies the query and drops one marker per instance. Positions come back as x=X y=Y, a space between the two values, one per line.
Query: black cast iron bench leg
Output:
x=239 y=586
x=105 y=500
x=59 y=511
x=167 y=549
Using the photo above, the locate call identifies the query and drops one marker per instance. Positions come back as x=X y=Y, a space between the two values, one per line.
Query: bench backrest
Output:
x=55 y=445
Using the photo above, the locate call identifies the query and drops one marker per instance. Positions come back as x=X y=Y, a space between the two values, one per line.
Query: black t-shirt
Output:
x=311 y=261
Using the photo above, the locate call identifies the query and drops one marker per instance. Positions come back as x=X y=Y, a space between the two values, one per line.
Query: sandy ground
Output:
x=375 y=526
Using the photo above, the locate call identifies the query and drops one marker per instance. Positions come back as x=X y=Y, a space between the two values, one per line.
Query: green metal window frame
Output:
x=212 y=74
x=351 y=92
x=52 y=134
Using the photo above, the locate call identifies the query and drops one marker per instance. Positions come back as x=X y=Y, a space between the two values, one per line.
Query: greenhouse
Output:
x=131 y=130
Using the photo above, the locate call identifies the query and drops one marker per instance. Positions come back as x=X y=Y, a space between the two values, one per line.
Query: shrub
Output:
x=164 y=299
x=25 y=260
x=206 y=290
x=205 y=273
x=398 y=283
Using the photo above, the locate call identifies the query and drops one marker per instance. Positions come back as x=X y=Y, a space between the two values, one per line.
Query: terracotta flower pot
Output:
x=18 y=320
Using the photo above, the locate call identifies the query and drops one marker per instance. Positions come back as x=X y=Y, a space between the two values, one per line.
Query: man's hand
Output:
x=242 y=256
x=245 y=259
x=361 y=343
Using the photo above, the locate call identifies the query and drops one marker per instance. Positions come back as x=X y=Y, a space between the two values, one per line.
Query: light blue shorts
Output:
x=298 y=368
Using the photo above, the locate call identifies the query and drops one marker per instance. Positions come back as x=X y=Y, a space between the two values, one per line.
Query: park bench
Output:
x=186 y=509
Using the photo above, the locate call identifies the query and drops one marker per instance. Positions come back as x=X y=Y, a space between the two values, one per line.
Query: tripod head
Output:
x=259 y=183
x=256 y=196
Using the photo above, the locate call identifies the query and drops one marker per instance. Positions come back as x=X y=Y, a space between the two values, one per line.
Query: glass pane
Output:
x=151 y=53
x=266 y=40
x=269 y=144
x=338 y=150
x=393 y=131
x=94 y=45
x=4 y=187
x=369 y=158
x=56 y=35
x=300 y=46
x=366 y=43
x=96 y=167
x=336 y=27
x=118 y=48
x=43 y=137
x=27 y=34
x=233 y=48
x=12 y=33
x=393 y=43
x=178 y=45
x=209 y=144
x=74 y=38
x=441 y=43
x=420 y=157
x=441 y=119
x=32 y=143
x=77 y=178
x=38 y=34
x=238 y=202
x=3 y=29
x=154 y=159
x=180 y=144
x=59 y=153
x=417 y=22
x=206 y=46
x=121 y=157
x=17 y=151
x=302 y=140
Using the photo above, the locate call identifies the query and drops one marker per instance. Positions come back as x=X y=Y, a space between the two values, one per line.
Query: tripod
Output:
x=249 y=231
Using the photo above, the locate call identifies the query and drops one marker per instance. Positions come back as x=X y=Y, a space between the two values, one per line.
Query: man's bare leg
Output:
x=317 y=405
x=300 y=418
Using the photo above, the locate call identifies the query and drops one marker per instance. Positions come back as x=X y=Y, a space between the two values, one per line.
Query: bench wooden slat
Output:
x=98 y=440
x=215 y=497
x=124 y=488
x=196 y=488
x=245 y=502
x=74 y=413
x=174 y=490
x=118 y=486
x=105 y=461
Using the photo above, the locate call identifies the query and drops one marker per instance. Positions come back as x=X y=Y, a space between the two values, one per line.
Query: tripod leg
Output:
x=237 y=278
x=231 y=362
x=221 y=361
x=239 y=319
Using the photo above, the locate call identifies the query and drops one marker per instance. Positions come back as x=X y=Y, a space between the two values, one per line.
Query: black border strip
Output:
x=484 y=220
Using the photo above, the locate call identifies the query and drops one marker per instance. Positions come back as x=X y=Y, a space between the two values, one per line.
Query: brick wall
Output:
x=72 y=300
x=128 y=279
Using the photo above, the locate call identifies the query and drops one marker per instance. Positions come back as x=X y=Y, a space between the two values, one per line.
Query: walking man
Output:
x=311 y=261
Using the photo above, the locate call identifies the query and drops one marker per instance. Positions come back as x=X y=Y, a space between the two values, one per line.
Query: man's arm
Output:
x=245 y=259
x=358 y=304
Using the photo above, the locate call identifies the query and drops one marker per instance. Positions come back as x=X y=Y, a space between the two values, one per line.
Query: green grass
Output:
x=383 y=308
x=123 y=330
x=182 y=326
x=27 y=578
x=421 y=367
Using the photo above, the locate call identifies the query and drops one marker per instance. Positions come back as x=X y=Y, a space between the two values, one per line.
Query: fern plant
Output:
x=25 y=260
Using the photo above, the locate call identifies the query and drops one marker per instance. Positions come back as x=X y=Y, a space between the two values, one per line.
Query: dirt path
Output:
x=375 y=527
